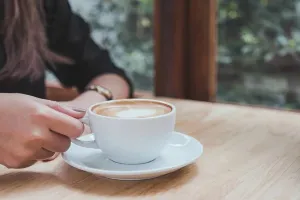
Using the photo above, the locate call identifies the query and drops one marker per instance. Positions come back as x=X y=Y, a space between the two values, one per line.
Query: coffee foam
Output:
x=132 y=109
x=135 y=112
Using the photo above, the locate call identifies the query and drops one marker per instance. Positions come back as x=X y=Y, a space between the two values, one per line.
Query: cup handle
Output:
x=87 y=144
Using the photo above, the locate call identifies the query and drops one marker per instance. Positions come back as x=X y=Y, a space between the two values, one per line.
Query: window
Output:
x=258 y=52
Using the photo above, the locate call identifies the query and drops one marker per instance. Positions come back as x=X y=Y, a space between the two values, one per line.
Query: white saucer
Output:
x=180 y=151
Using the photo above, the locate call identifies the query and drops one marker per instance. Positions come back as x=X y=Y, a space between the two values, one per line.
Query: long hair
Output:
x=25 y=40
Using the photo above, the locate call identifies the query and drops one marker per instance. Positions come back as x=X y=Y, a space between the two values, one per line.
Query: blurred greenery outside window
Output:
x=124 y=27
x=258 y=52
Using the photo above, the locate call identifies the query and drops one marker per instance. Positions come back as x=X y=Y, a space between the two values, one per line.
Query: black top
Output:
x=68 y=35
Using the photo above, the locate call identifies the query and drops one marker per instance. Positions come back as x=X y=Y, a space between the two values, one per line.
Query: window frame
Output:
x=185 y=49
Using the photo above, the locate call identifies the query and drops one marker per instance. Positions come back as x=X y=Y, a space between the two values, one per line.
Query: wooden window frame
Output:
x=185 y=49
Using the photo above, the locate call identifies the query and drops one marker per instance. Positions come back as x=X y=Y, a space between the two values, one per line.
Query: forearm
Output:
x=116 y=84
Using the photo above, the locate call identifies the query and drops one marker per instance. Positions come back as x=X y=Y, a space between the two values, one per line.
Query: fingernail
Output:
x=75 y=108
x=79 y=109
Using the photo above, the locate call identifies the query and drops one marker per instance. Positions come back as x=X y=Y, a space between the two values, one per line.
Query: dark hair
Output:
x=25 y=40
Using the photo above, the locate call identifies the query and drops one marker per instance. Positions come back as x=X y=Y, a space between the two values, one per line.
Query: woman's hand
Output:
x=33 y=129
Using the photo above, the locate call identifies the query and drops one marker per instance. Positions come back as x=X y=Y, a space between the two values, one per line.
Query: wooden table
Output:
x=249 y=153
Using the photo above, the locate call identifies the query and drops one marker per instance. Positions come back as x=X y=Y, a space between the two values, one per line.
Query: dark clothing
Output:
x=68 y=35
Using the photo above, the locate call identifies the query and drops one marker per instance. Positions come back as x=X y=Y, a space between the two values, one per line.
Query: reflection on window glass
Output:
x=125 y=28
x=258 y=52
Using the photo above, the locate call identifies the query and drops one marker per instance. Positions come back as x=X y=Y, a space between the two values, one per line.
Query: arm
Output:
x=116 y=84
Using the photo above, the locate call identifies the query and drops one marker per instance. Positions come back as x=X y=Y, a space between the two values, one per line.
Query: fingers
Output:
x=67 y=110
x=51 y=158
x=43 y=154
x=26 y=164
x=21 y=165
x=63 y=124
x=62 y=119
x=55 y=142
x=76 y=113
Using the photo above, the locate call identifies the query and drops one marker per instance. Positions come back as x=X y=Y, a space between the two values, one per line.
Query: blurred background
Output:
x=125 y=27
x=258 y=54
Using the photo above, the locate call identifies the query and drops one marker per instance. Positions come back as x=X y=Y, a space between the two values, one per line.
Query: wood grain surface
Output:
x=249 y=153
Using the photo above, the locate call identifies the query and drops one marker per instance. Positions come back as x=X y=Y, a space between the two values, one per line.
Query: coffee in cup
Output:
x=133 y=131
x=132 y=109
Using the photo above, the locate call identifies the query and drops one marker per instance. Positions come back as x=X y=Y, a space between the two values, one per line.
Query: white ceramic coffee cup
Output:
x=129 y=140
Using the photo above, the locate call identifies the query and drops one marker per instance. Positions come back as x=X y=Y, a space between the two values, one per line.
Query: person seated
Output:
x=46 y=34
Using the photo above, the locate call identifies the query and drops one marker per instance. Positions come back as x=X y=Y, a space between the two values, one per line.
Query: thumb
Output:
x=62 y=108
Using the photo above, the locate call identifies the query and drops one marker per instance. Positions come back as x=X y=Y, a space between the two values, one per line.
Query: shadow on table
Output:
x=107 y=187
x=83 y=182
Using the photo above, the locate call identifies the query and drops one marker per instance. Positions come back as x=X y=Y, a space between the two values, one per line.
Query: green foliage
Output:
x=259 y=36
x=125 y=28
x=253 y=32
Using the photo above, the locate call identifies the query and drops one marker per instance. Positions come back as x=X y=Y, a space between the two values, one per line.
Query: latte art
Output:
x=132 y=110
x=136 y=112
